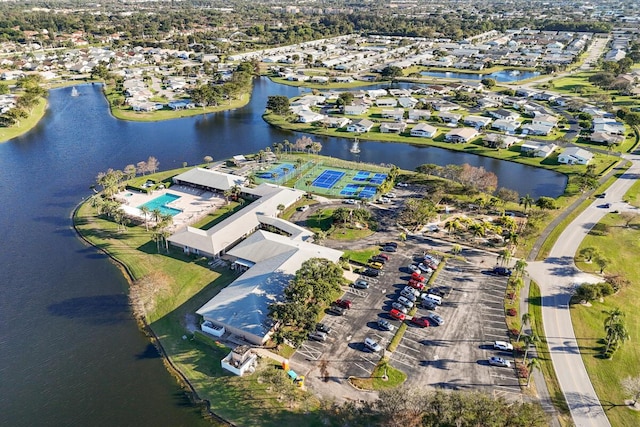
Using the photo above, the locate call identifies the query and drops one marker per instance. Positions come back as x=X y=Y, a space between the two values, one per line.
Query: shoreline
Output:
x=29 y=123
x=147 y=330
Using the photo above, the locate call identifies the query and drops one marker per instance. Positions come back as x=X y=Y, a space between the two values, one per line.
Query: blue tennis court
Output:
x=349 y=190
x=378 y=178
x=277 y=172
x=327 y=179
x=367 y=192
x=361 y=176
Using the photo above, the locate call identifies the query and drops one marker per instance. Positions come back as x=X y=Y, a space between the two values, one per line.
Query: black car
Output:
x=378 y=259
x=392 y=244
x=389 y=249
x=323 y=328
x=371 y=272
x=601 y=195
x=337 y=310
x=437 y=291
x=501 y=271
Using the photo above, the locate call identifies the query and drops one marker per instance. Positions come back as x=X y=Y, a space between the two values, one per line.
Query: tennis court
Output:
x=378 y=178
x=327 y=179
x=349 y=190
x=277 y=172
x=367 y=192
x=361 y=176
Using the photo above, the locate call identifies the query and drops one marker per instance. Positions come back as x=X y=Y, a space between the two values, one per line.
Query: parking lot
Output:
x=451 y=356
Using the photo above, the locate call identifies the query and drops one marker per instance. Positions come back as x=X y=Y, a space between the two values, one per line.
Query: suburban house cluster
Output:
x=267 y=249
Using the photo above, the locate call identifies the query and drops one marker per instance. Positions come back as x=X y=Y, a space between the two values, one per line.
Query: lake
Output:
x=70 y=351
x=504 y=76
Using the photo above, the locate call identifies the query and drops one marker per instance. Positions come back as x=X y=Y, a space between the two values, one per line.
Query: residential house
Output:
x=444 y=106
x=450 y=117
x=394 y=113
x=386 y=102
x=505 y=125
x=544 y=120
x=392 y=127
x=407 y=101
x=336 y=122
x=310 y=100
x=537 y=148
x=512 y=102
x=536 y=129
x=606 y=138
x=377 y=93
x=601 y=124
x=355 y=110
x=419 y=114
x=575 y=156
x=361 y=126
x=309 y=117
x=498 y=140
x=424 y=130
x=503 y=114
x=477 y=121
x=486 y=103
x=461 y=135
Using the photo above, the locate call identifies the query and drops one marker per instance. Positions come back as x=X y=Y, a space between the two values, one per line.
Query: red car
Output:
x=383 y=255
x=397 y=314
x=416 y=285
x=344 y=303
x=417 y=277
x=420 y=321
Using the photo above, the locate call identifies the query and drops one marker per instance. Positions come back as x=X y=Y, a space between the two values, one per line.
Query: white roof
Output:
x=210 y=179
x=244 y=303
x=578 y=153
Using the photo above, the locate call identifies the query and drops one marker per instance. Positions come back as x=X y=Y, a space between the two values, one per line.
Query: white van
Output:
x=372 y=344
x=433 y=298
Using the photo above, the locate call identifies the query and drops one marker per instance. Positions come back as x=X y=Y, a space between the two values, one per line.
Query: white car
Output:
x=436 y=318
x=384 y=200
x=372 y=344
x=401 y=308
x=390 y=195
x=502 y=345
x=350 y=201
x=402 y=184
x=303 y=208
x=414 y=268
x=424 y=268
x=499 y=361
x=412 y=291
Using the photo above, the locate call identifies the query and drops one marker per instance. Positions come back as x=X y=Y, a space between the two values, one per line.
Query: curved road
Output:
x=556 y=276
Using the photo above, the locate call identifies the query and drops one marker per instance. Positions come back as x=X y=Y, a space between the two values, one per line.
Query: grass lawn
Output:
x=25 y=125
x=321 y=220
x=362 y=256
x=621 y=246
x=376 y=381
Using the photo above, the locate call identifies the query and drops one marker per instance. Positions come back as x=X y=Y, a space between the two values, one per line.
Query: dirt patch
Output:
x=145 y=292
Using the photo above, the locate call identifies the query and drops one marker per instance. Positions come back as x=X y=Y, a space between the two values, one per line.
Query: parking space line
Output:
x=410 y=348
x=488 y=307
x=406 y=355
x=364 y=369
x=503 y=336
x=367 y=360
x=402 y=362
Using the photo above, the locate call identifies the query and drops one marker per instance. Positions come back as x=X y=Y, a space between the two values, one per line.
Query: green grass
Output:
x=395 y=341
x=376 y=381
x=344 y=233
x=321 y=220
x=633 y=195
x=218 y=216
x=25 y=125
x=546 y=364
x=621 y=246
x=362 y=256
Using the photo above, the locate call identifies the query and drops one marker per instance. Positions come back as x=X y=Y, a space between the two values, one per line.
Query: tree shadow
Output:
x=95 y=310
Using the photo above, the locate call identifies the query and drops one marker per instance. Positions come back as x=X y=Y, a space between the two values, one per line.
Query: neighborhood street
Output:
x=556 y=276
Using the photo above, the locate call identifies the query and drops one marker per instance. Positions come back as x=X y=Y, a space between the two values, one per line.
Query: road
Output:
x=556 y=276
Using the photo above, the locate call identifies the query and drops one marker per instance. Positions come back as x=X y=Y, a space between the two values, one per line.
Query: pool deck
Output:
x=194 y=204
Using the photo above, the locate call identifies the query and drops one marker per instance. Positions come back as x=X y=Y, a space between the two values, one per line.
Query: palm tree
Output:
x=504 y=256
x=534 y=364
x=452 y=225
x=456 y=249
x=477 y=229
x=527 y=201
x=529 y=340
x=615 y=333
x=520 y=267
x=526 y=317
x=613 y=316
x=145 y=212
x=157 y=215
x=280 y=208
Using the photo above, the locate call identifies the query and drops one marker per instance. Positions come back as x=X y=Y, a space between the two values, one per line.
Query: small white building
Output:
x=240 y=360
x=575 y=156
x=424 y=130
x=461 y=135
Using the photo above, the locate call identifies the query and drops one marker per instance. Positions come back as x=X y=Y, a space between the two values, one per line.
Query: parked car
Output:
x=378 y=259
x=303 y=208
x=499 y=361
x=385 y=325
x=420 y=321
x=372 y=344
x=350 y=202
x=601 y=195
x=417 y=277
x=402 y=184
x=414 y=268
x=502 y=345
x=405 y=301
x=361 y=284
x=389 y=249
x=400 y=307
x=501 y=271
x=428 y=304
x=431 y=258
x=383 y=255
x=371 y=272
x=344 y=303
x=436 y=319
x=392 y=244
x=605 y=206
x=390 y=195
x=416 y=284
x=412 y=291
x=376 y=265
x=323 y=328
x=384 y=200
x=396 y=314
x=408 y=295
x=337 y=310
x=437 y=291
x=424 y=268
x=318 y=336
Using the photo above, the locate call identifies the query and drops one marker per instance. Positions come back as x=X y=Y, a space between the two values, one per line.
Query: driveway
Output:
x=556 y=276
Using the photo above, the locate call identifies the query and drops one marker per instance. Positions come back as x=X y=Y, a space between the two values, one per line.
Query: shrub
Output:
x=588 y=292
x=523 y=371
x=512 y=312
x=514 y=332
x=606 y=289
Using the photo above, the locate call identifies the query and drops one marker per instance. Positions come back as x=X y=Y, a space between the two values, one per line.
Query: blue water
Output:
x=499 y=76
x=161 y=202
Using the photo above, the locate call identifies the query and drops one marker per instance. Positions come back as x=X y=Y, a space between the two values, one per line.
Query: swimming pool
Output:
x=161 y=204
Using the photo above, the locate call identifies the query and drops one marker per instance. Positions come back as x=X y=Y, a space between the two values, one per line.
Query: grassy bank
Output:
x=619 y=244
x=25 y=125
